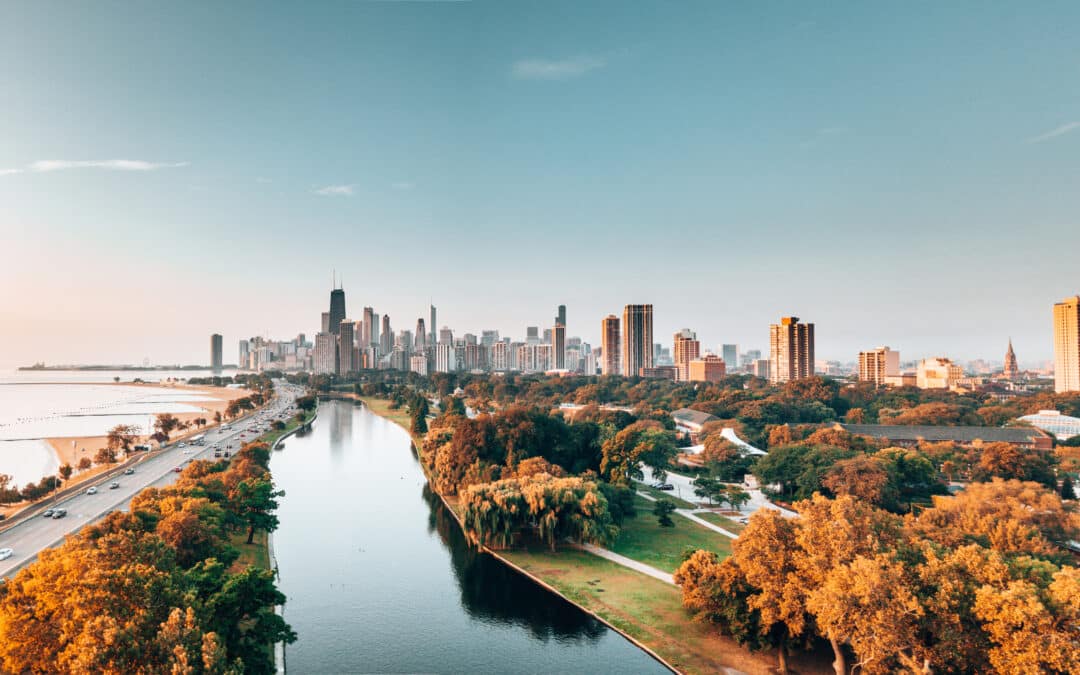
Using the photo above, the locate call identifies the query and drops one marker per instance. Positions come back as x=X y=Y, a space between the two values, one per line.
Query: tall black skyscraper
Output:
x=337 y=309
x=562 y=315
x=215 y=352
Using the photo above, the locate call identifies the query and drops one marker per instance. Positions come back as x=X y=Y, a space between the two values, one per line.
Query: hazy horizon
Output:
x=897 y=177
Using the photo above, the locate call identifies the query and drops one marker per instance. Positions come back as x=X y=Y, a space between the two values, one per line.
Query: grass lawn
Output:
x=642 y=539
x=271 y=436
x=669 y=495
x=381 y=407
x=717 y=519
x=648 y=610
x=255 y=554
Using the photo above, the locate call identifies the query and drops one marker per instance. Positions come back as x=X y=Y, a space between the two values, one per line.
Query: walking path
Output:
x=626 y=562
x=687 y=513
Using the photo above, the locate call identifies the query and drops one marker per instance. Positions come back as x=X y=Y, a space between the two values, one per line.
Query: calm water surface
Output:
x=379 y=578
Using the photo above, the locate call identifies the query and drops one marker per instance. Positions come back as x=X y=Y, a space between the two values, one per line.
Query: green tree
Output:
x=242 y=614
x=1067 y=488
x=662 y=509
x=254 y=502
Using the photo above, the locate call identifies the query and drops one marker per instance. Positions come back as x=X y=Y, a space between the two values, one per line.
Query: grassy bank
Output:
x=643 y=539
x=717 y=519
x=255 y=554
x=381 y=407
x=665 y=494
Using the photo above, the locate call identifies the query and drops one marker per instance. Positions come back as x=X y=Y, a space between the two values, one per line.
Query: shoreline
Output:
x=540 y=582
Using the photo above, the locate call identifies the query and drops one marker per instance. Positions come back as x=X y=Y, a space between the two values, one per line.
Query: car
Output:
x=113 y=485
x=6 y=553
x=178 y=469
x=129 y=471
x=48 y=513
x=217 y=453
x=665 y=486
x=182 y=445
x=92 y=491
x=59 y=513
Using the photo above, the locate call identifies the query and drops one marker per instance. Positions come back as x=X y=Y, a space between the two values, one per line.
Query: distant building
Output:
x=242 y=354
x=347 y=356
x=216 y=359
x=904 y=435
x=500 y=356
x=686 y=348
x=369 y=335
x=446 y=336
x=660 y=373
x=746 y=360
x=791 y=350
x=708 y=368
x=325 y=353
x=1063 y=427
x=877 y=364
x=760 y=368
x=1011 y=369
x=610 y=345
x=432 y=326
x=1067 y=345
x=730 y=353
x=421 y=336
x=938 y=373
x=386 y=338
x=558 y=345
x=637 y=339
x=418 y=364
x=337 y=309
x=325 y=325
x=532 y=335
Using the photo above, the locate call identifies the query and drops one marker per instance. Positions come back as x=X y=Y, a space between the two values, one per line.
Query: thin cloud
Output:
x=1054 y=133
x=548 y=69
x=8 y=172
x=112 y=164
x=335 y=191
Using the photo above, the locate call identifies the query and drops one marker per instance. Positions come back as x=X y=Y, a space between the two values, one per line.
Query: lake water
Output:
x=380 y=579
x=35 y=405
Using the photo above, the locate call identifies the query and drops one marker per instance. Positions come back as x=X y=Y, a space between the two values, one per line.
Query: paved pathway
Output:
x=687 y=513
x=627 y=562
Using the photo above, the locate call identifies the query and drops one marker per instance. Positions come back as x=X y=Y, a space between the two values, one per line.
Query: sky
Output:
x=904 y=174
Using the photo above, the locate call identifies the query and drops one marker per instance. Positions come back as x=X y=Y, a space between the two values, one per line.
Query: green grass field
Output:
x=669 y=495
x=717 y=519
x=381 y=407
x=256 y=554
x=644 y=540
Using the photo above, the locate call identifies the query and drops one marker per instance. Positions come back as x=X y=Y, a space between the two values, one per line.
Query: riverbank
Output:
x=645 y=611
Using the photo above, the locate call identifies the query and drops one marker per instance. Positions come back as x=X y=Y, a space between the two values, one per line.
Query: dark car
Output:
x=665 y=486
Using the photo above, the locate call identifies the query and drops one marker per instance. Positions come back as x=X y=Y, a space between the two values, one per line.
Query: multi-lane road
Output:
x=38 y=532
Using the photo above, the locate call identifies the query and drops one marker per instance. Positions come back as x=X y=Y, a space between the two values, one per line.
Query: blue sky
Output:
x=902 y=175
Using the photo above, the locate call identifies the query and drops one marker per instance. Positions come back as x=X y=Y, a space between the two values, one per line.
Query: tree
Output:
x=105 y=456
x=255 y=501
x=644 y=442
x=1007 y=461
x=122 y=437
x=662 y=509
x=84 y=464
x=165 y=424
x=717 y=593
x=419 y=422
x=1066 y=491
x=217 y=417
x=735 y=496
x=862 y=477
x=242 y=613
x=65 y=471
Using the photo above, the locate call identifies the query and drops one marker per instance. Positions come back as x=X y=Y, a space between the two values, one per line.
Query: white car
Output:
x=6 y=553
x=92 y=491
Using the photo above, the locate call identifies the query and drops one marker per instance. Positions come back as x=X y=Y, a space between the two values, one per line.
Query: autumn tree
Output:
x=165 y=424
x=862 y=477
x=105 y=456
x=1011 y=462
x=641 y=443
x=122 y=437
x=65 y=471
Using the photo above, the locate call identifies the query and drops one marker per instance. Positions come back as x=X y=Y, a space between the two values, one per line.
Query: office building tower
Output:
x=546 y=338
x=445 y=361
x=708 y=368
x=325 y=325
x=532 y=335
x=500 y=356
x=325 y=354
x=558 y=346
x=375 y=341
x=215 y=352
x=421 y=335
x=347 y=357
x=637 y=339
x=791 y=350
x=489 y=337
x=369 y=336
x=877 y=364
x=242 y=355
x=470 y=339
x=760 y=368
x=337 y=309
x=747 y=358
x=588 y=361
x=730 y=353
x=561 y=317
x=386 y=339
x=610 y=346
x=432 y=326
x=938 y=373
x=686 y=348
x=418 y=364
x=446 y=336
x=1067 y=345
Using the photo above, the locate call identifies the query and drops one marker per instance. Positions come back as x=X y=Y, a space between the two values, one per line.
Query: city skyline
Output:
x=607 y=135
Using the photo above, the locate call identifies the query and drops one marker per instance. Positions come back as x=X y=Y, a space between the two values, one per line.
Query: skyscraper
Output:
x=375 y=341
x=324 y=359
x=610 y=345
x=791 y=350
x=324 y=327
x=1011 y=369
x=730 y=353
x=346 y=344
x=242 y=354
x=558 y=346
x=421 y=335
x=371 y=330
x=1067 y=345
x=532 y=335
x=432 y=327
x=637 y=352
x=686 y=348
x=387 y=337
x=337 y=309
x=215 y=352
x=562 y=315
x=877 y=364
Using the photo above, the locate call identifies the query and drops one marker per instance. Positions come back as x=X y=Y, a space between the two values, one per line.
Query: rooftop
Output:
x=956 y=434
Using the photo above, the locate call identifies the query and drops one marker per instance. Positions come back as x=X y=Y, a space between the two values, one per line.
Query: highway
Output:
x=38 y=532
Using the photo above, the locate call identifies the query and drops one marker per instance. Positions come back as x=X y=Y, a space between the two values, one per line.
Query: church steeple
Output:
x=1011 y=369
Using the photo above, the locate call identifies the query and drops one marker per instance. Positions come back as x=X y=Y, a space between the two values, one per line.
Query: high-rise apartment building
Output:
x=324 y=327
x=532 y=335
x=558 y=345
x=432 y=326
x=637 y=339
x=215 y=352
x=500 y=356
x=347 y=356
x=386 y=339
x=708 y=368
x=760 y=368
x=371 y=329
x=686 y=348
x=337 y=309
x=877 y=364
x=610 y=345
x=938 y=373
x=325 y=353
x=446 y=336
x=791 y=350
x=1067 y=345
x=242 y=354
x=445 y=360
